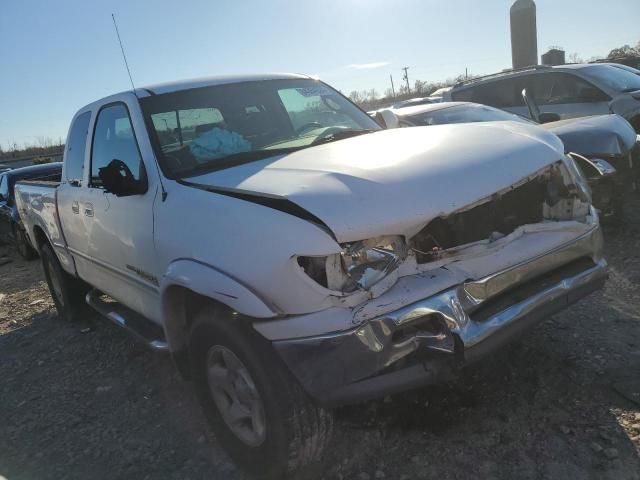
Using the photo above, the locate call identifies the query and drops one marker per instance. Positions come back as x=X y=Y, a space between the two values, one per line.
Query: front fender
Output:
x=210 y=282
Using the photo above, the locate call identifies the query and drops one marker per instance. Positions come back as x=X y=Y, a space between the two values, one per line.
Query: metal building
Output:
x=524 y=36
x=555 y=56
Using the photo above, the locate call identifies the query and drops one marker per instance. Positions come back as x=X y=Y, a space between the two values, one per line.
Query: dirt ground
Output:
x=83 y=400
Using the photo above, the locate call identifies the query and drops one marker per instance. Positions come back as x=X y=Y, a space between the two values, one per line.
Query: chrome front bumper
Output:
x=428 y=340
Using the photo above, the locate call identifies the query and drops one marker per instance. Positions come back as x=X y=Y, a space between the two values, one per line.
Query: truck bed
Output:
x=37 y=205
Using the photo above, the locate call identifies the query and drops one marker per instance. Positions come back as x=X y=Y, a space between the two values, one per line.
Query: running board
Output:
x=144 y=330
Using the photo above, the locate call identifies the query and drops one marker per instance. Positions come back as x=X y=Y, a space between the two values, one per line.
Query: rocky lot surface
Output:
x=83 y=400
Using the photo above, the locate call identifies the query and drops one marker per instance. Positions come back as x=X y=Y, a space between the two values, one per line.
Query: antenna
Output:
x=126 y=64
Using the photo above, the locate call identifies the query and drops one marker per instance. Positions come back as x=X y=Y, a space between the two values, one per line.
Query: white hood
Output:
x=396 y=181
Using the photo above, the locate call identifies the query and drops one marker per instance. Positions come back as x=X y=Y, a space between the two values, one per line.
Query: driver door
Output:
x=120 y=234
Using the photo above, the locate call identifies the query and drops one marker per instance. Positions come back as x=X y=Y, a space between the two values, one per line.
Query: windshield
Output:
x=463 y=114
x=618 y=79
x=220 y=126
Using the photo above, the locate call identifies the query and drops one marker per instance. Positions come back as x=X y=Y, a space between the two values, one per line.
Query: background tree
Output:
x=574 y=58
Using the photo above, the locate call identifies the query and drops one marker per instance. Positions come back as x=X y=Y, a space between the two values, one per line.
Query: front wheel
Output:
x=257 y=410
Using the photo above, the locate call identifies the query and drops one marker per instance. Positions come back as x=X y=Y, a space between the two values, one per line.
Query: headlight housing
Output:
x=580 y=181
x=360 y=265
x=367 y=262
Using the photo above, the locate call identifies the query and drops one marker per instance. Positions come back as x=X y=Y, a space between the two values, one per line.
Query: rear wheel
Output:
x=257 y=410
x=67 y=292
x=23 y=246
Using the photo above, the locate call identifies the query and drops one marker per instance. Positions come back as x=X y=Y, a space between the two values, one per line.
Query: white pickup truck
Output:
x=293 y=256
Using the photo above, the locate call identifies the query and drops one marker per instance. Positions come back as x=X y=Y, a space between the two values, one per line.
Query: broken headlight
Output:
x=360 y=265
x=367 y=262
x=580 y=181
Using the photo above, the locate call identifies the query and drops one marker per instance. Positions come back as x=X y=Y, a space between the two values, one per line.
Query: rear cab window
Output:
x=313 y=106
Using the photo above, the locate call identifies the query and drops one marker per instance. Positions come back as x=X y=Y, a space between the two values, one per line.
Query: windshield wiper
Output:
x=340 y=135
x=234 y=160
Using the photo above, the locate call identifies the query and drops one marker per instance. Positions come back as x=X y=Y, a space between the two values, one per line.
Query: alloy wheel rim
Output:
x=235 y=394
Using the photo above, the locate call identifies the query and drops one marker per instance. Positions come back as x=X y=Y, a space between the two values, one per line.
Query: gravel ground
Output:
x=83 y=401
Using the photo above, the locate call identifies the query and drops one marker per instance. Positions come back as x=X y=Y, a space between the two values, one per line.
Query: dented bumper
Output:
x=428 y=340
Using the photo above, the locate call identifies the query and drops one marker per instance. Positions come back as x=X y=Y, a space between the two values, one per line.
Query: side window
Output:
x=113 y=140
x=559 y=88
x=74 y=157
x=497 y=93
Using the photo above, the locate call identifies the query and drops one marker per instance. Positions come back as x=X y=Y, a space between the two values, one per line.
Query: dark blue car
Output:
x=9 y=218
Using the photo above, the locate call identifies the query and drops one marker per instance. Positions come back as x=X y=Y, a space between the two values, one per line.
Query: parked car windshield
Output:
x=617 y=79
x=216 y=127
x=462 y=114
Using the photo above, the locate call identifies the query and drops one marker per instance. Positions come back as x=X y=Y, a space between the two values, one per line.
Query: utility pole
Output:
x=393 y=90
x=406 y=78
x=466 y=73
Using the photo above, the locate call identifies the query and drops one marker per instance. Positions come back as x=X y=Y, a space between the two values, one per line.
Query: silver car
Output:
x=565 y=91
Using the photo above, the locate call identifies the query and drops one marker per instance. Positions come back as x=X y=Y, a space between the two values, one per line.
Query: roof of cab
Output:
x=187 y=84
x=178 y=85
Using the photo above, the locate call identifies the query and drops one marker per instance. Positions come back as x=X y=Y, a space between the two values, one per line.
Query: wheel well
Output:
x=180 y=305
x=40 y=238
x=635 y=123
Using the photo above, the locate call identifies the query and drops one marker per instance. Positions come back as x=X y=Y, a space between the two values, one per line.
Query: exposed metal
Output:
x=458 y=322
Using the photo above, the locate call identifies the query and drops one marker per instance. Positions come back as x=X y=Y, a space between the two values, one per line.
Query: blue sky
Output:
x=58 y=55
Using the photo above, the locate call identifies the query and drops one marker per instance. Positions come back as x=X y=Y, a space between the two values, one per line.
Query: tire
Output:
x=23 y=246
x=294 y=430
x=67 y=291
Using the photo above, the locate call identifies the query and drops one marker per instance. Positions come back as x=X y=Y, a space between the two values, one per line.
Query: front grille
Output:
x=503 y=214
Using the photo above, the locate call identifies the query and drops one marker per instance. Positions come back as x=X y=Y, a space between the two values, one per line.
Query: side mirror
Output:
x=387 y=119
x=534 y=111
x=547 y=117
x=118 y=179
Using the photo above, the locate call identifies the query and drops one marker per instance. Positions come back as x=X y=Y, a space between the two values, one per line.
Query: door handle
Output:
x=88 y=210
x=75 y=208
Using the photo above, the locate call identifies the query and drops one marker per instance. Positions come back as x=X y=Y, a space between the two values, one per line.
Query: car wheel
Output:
x=257 y=410
x=23 y=246
x=67 y=292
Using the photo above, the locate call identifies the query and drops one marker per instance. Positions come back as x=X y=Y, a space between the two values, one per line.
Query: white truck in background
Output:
x=293 y=256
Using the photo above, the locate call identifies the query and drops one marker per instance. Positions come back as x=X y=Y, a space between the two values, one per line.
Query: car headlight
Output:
x=369 y=261
x=360 y=265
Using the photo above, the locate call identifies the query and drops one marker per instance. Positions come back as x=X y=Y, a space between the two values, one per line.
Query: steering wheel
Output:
x=308 y=126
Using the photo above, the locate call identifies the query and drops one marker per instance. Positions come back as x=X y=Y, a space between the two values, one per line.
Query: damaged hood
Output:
x=598 y=135
x=395 y=181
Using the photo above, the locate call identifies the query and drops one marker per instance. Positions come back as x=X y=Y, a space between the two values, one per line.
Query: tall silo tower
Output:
x=524 y=36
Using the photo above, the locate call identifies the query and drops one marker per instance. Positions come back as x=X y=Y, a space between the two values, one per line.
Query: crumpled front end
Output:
x=469 y=282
